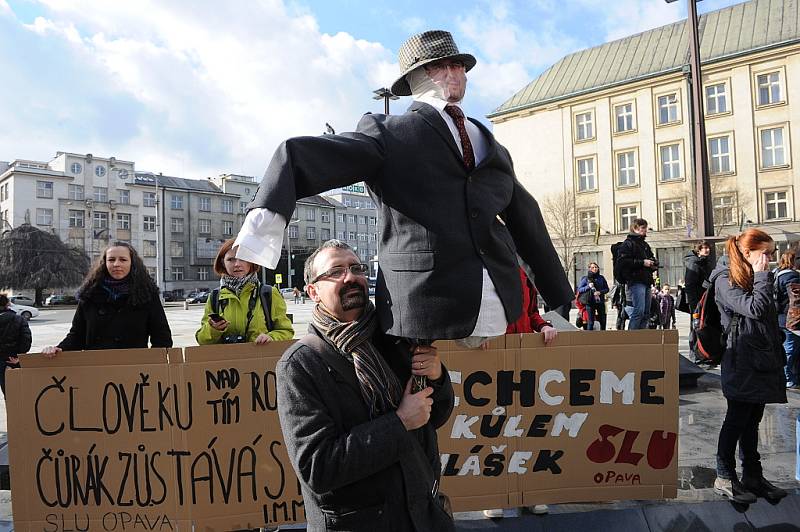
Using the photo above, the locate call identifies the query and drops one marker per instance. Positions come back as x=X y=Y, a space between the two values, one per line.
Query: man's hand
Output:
x=263 y=338
x=13 y=360
x=648 y=263
x=426 y=362
x=549 y=333
x=415 y=408
x=597 y=293
x=51 y=351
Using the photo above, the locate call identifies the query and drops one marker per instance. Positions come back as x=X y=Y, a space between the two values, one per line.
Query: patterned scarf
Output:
x=380 y=387
x=116 y=288
x=237 y=284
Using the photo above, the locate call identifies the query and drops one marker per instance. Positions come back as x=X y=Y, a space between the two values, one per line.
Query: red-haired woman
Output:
x=752 y=366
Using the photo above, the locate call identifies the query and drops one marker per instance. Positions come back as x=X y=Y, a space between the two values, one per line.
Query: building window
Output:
x=584 y=126
x=672 y=214
x=123 y=221
x=176 y=202
x=587 y=222
x=340 y=217
x=362 y=220
x=177 y=273
x=44 y=189
x=668 y=108
x=100 y=171
x=719 y=155
x=773 y=150
x=149 y=199
x=586 y=177
x=626 y=168
x=75 y=192
x=724 y=209
x=4 y=192
x=176 y=225
x=776 y=205
x=243 y=207
x=351 y=235
x=627 y=215
x=101 y=194
x=149 y=223
x=311 y=233
x=227 y=227
x=372 y=238
x=205 y=203
x=769 y=88
x=373 y=221
x=204 y=226
x=325 y=234
x=670 y=162
x=325 y=216
x=362 y=237
x=347 y=202
x=151 y=271
x=202 y=273
x=311 y=214
x=624 y=117
x=293 y=233
x=716 y=99
x=176 y=249
x=351 y=218
x=340 y=235
x=227 y=206
x=76 y=168
x=100 y=220
x=124 y=197
x=77 y=218
x=44 y=216
x=148 y=248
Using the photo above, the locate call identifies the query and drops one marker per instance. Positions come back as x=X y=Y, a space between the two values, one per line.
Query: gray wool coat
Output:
x=357 y=473
x=439 y=223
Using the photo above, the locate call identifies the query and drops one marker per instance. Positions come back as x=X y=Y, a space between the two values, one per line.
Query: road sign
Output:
x=278 y=278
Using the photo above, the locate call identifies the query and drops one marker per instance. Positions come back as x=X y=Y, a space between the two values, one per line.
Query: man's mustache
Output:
x=349 y=286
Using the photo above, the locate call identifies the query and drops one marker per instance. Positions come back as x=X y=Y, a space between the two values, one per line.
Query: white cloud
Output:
x=412 y=25
x=4 y=8
x=192 y=88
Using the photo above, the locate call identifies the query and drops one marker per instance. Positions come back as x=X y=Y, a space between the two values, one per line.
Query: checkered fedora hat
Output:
x=425 y=48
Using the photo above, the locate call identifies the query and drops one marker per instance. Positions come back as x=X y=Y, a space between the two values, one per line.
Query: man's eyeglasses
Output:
x=441 y=66
x=340 y=271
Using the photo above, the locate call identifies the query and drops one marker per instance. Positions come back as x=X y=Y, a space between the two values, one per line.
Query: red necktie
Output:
x=466 y=146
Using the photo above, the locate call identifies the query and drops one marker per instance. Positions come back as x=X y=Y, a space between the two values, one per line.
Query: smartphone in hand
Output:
x=215 y=317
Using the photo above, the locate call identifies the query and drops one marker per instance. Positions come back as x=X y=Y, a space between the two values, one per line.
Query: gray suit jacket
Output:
x=439 y=223
x=358 y=473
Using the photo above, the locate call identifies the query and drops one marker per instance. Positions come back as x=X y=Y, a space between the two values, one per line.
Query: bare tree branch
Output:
x=561 y=216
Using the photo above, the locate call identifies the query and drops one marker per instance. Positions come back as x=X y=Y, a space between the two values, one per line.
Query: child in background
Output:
x=667 y=308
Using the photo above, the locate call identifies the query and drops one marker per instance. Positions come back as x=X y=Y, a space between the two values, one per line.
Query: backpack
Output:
x=619 y=274
x=710 y=340
x=265 y=293
x=793 y=309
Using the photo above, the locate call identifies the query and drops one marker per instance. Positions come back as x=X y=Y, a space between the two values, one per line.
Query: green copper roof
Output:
x=735 y=30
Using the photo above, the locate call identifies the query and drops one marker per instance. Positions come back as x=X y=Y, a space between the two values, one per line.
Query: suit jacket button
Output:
x=481 y=251
x=474 y=213
x=469 y=179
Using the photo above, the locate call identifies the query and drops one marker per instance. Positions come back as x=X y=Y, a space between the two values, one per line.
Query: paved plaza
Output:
x=701 y=412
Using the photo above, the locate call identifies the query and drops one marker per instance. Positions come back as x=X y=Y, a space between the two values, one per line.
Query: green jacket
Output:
x=235 y=313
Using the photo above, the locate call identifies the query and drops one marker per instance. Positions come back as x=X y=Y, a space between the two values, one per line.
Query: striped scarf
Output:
x=237 y=284
x=380 y=387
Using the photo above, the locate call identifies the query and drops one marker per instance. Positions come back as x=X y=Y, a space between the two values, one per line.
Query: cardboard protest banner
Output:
x=157 y=439
x=592 y=417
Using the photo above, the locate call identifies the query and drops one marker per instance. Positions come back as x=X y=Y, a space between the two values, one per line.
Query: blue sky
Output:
x=195 y=88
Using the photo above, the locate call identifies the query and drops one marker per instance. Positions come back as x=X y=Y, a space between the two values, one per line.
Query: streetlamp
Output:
x=704 y=209
x=386 y=95
x=289 y=254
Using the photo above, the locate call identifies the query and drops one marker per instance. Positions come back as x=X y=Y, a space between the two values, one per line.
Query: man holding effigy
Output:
x=363 y=445
x=452 y=213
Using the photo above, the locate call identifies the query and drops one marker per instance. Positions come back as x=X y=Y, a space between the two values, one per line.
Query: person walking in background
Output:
x=666 y=305
x=596 y=286
x=618 y=302
x=698 y=269
x=15 y=339
x=785 y=274
x=654 y=320
x=752 y=365
x=118 y=307
x=240 y=310
x=637 y=264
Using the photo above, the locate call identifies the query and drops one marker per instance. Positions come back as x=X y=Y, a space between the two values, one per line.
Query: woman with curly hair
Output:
x=118 y=307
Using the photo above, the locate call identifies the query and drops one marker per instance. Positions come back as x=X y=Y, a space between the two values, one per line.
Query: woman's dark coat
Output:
x=752 y=366
x=698 y=269
x=102 y=324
